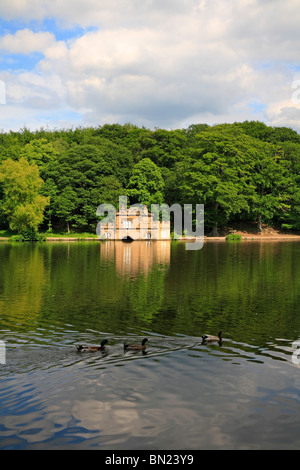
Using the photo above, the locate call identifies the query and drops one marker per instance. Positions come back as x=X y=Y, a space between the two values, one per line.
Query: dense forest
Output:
x=241 y=172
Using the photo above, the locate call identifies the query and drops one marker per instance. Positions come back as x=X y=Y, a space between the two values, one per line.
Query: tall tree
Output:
x=86 y=176
x=216 y=174
x=270 y=181
x=22 y=203
x=146 y=185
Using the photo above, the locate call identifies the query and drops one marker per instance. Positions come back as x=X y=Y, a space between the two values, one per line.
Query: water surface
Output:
x=181 y=394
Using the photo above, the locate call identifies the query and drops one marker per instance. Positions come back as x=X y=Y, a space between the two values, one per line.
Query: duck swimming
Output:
x=211 y=338
x=136 y=347
x=85 y=348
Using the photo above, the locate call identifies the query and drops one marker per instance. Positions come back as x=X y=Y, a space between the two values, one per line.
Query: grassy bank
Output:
x=236 y=232
x=70 y=235
x=7 y=234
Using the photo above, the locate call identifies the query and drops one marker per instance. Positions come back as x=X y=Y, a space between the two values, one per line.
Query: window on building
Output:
x=127 y=223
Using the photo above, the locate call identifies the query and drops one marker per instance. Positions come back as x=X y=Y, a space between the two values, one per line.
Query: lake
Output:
x=180 y=394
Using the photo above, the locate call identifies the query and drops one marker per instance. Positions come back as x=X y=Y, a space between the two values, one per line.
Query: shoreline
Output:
x=260 y=238
x=245 y=237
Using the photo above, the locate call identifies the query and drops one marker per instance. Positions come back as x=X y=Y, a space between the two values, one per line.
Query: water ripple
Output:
x=45 y=349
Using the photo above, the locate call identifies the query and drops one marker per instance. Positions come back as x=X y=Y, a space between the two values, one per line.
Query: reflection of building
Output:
x=136 y=224
x=137 y=257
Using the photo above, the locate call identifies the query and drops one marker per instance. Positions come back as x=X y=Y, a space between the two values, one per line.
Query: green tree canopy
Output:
x=146 y=185
x=22 y=203
x=85 y=177
x=241 y=172
x=216 y=173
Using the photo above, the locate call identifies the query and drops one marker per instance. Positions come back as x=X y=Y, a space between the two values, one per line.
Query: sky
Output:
x=152 y=63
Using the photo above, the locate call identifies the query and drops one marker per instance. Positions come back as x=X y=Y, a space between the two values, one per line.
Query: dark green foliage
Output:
x=246 y=171
x=28 y=236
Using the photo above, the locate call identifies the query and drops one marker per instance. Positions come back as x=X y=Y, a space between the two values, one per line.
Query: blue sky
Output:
x=61 y=32
x=28 y=61
x=9 y=60
x=158 y=64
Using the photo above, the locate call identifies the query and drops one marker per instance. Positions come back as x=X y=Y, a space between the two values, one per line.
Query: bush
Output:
x=28 y=236
x=234 y=237
x=16 y=238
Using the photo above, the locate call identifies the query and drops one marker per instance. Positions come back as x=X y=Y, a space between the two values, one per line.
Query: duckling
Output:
x=85 y=348
x=211 y=338
x=136 y=347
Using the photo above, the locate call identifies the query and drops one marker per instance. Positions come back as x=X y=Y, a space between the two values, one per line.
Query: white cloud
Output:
x=107 y=13
x=12 y=9
x=159 y=63
x=25 y=41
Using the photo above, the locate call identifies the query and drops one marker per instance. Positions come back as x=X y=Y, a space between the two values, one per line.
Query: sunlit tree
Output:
x=22 y=203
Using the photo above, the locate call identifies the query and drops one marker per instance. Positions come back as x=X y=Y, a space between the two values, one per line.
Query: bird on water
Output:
x=86 y=348
x=212 y=339
x=136 y=347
